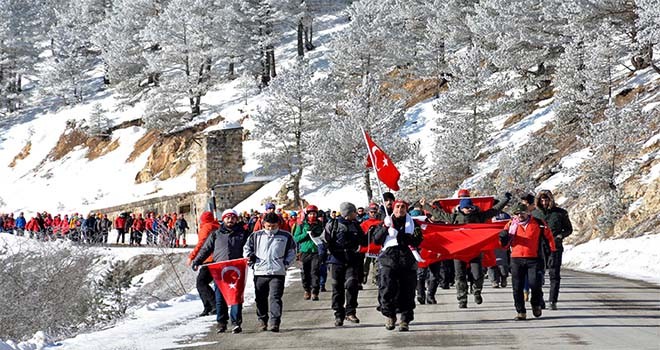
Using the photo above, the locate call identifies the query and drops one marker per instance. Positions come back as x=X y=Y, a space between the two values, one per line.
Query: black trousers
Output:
x=429 y=278
x=345 y=289
x=397 y=290
x=205 y=291
x=554 y=270
x=311 y=273
x=268 y=291
x=522 y=268
x=476 y=270
x=120 y=233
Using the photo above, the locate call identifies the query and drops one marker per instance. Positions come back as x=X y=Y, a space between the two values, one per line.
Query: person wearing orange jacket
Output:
x=207 y=225
x=524 y=233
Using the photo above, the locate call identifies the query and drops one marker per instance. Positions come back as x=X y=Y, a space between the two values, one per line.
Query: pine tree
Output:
x=520 y=169
x=189 y=42
x=290 y=126
x=464 y=117
x=417 y=182
x=98 y=123
x=648 y=27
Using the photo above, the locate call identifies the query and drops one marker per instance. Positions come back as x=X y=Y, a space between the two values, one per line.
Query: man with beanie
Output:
x=369 y=226
x=308 y=235
x=225 y=243
x=270 y=251
x=524 y=234
x=344 y=236
x=388 y=200
x=398 y=266
x=207 y=224
x=560 y=225
x=467 y=213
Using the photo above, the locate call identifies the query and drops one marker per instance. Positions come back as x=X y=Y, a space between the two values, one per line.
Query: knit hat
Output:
x=463 y=193
x=519 y=208
x=466 y=203
x=373 y=207
x=346 y=208
x=270 y=205
x=228 y=212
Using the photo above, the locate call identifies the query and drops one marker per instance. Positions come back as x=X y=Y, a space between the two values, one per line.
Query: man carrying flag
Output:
x=226 y=244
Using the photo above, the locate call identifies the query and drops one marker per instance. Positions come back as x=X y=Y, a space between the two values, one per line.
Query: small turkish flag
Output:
x=385 y=169
x=230 y=277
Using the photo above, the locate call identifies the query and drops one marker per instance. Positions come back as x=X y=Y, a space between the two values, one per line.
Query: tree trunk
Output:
x=296 y=185
x=301 y=47
x=367 y=186
x=308 y=37
x=271 y=60
x=231 y=71
x=19 y=83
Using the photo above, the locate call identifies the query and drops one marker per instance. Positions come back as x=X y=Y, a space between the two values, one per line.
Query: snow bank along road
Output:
x=595 y=312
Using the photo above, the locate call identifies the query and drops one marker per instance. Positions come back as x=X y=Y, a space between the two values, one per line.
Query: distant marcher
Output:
x=181 y=228
x=207 y=225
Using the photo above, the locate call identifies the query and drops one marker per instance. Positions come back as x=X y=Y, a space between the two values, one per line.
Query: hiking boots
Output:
x=315 y=297
x=430 y=299
x=307 y=295
x=477 y=298
x=421 y=300
x=205 y=313
x=236 y=329
x=521 y=316
x=389 y=323
x=339 y=321
x=462 y=305
x=503 y=283
x=403 y=326
x=222 y=327
x=262 y=326
x=553 y=306
x=352 y=319
x=275 y=329
x=537 y=311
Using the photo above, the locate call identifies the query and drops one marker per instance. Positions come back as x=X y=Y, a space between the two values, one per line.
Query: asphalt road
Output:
x=595 y=312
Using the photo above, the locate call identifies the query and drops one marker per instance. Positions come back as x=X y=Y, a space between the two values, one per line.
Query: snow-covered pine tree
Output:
x=648 y=28
x=122 y=46
x=418 y=181
x=290 y=126
x=20 y=30
x=98 y=123
x=612 y=140
x=520 y=169
x=464 y=112
x=189 y=38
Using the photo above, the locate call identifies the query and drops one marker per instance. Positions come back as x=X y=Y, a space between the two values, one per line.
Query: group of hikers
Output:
x=384 y=239
x=157 y=229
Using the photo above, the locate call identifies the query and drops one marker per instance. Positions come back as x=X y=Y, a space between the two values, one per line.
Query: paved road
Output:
x=595 y=312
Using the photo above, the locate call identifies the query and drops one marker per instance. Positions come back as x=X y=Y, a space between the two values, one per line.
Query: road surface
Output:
x=595 y=312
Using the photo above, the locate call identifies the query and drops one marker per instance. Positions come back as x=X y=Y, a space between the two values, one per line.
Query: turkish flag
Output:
x=462 y=242
x=385 y=169
x=230 y=277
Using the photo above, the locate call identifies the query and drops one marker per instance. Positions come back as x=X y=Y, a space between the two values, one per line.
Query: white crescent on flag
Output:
x=230 y=268
x=375 y=149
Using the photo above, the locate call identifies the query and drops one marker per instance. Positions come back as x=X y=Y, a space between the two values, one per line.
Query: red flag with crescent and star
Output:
x=230 y=276
x=385 y=169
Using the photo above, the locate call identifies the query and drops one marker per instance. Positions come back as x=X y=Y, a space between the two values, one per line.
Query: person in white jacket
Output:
x=270 y=252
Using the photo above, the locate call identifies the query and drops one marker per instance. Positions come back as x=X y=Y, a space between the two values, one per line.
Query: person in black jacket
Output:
x=344 y=236
x=560 y=225
x=226 y=243
x=398 y=235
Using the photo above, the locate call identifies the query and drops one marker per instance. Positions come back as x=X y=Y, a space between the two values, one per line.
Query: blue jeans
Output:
x=225 y=313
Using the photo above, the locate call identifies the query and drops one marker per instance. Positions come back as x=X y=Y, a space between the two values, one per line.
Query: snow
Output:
x=633 y=258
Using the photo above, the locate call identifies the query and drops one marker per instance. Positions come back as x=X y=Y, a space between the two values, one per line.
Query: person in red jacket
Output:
x=138 y=228
x=370 y=259
x=524 y=233
x=207 y=225
x=64 y=225
x=120 y=223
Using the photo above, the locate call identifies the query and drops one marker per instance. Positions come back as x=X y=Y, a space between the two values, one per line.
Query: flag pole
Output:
x=373 y=166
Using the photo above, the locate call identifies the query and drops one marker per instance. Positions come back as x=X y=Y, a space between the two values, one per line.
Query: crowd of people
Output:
x=153 y=229
x=340 y=244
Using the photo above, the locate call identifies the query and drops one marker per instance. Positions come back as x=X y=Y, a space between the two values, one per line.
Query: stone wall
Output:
x=220 y=159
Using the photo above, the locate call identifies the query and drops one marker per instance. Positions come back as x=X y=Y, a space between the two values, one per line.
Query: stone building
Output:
x=219 y=163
